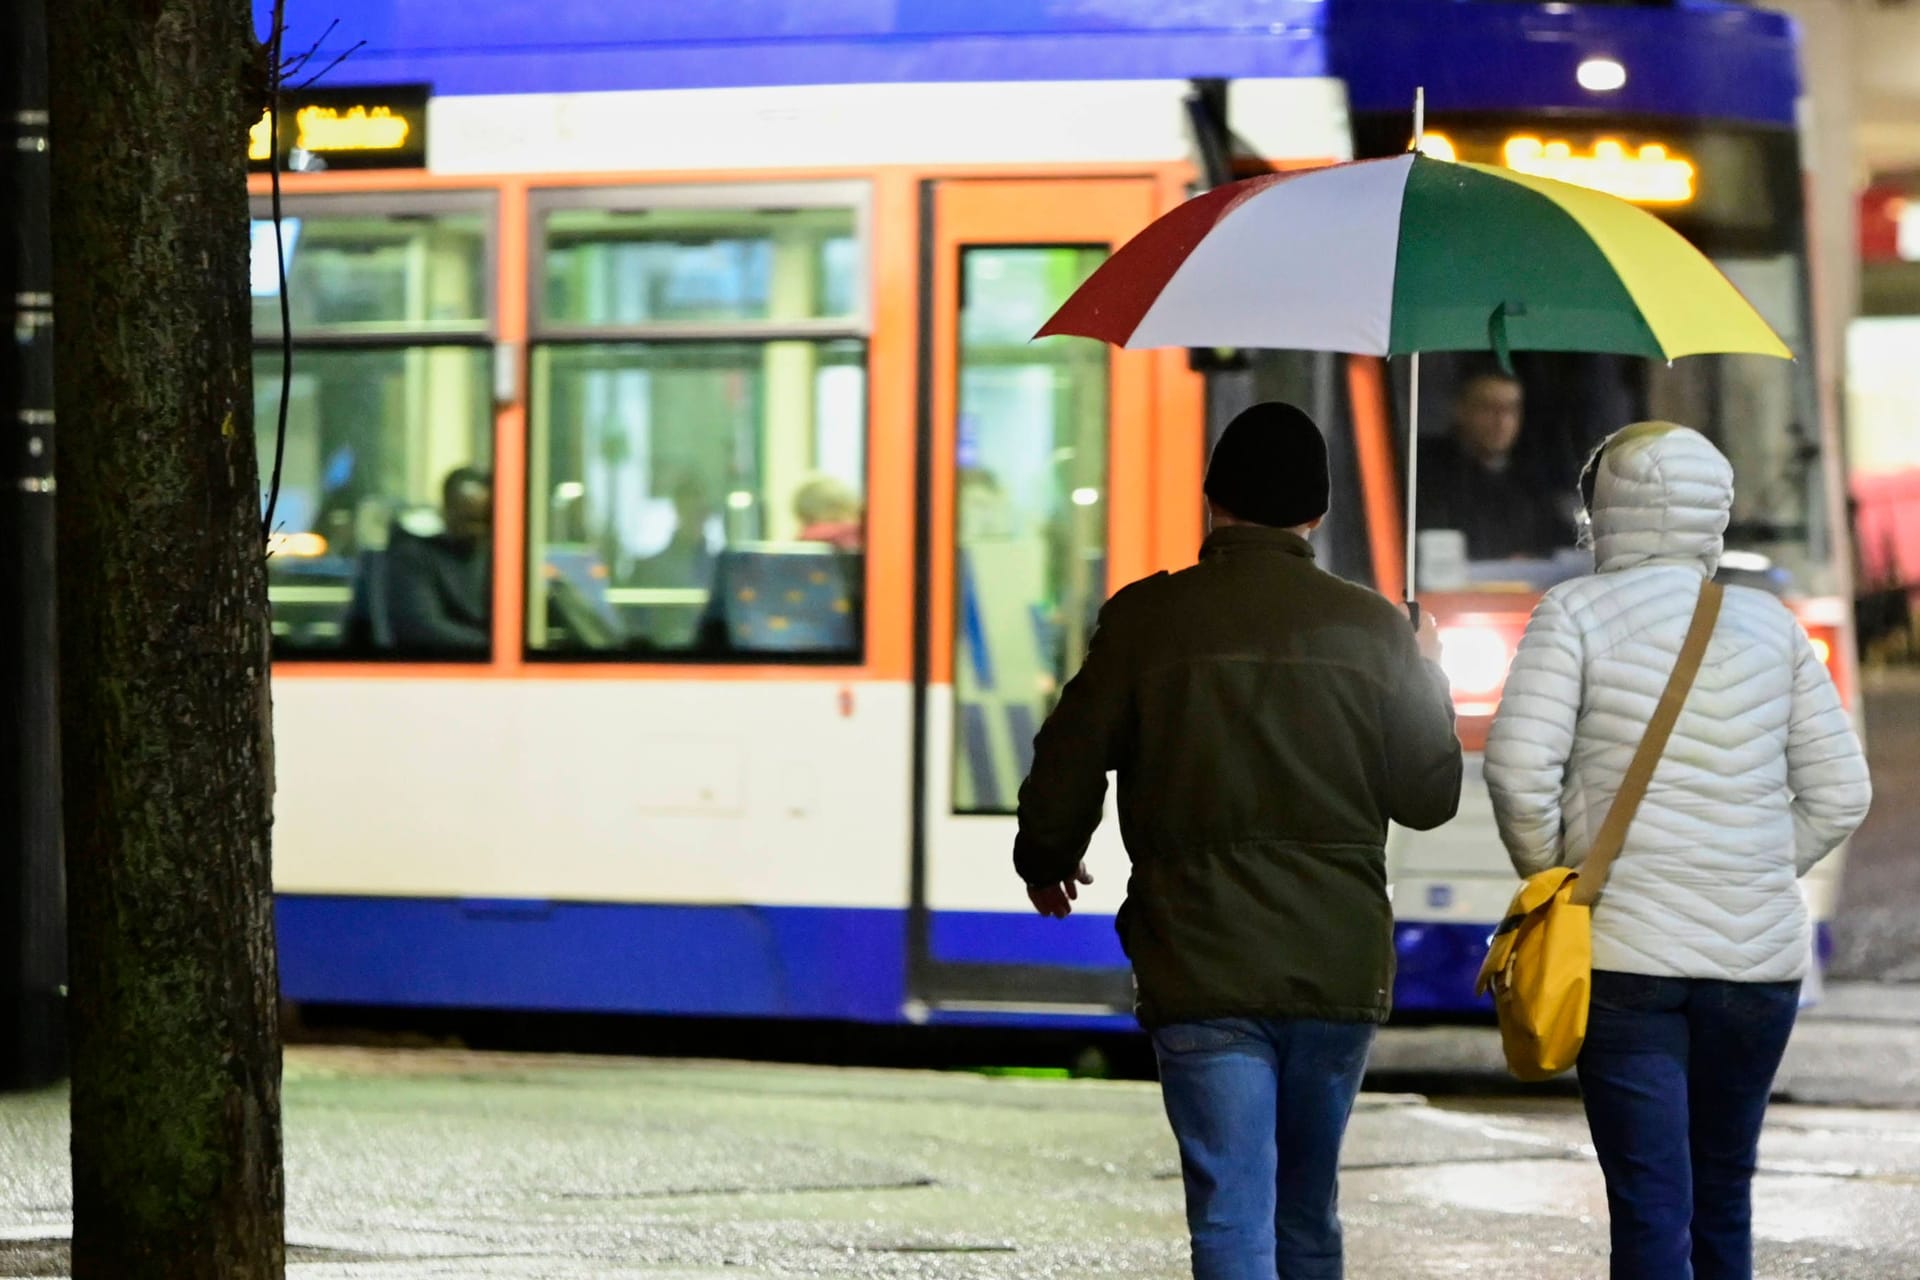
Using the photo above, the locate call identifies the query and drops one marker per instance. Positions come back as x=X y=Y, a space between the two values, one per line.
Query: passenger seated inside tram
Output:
x=440 y=584
x=1469 y=481
x=829 y=512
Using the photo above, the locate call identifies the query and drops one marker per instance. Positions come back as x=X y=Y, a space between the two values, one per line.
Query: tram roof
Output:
x=1694 y=59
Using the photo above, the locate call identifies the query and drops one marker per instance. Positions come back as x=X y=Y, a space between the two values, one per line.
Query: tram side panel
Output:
x=699 y=847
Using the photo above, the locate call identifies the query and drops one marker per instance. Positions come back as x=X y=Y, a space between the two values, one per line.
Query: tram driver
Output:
x=1469 y=480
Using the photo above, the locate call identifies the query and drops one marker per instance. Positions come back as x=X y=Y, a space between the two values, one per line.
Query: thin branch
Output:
x=280 y=69
x=298 y=62
x=280 y=263
x=314 y=79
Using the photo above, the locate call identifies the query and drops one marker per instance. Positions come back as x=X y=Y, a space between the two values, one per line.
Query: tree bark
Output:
x=163 y=643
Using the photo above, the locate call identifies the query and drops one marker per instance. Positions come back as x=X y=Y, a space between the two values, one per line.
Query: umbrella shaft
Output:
x=1413 y=469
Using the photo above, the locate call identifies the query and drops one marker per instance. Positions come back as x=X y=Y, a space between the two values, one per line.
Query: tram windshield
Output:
x=1500 y=453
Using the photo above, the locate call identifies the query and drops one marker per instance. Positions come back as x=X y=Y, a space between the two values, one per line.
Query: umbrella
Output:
x=1411 y=254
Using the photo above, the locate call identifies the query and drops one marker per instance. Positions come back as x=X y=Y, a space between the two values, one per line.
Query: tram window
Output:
x=1745 y=210
x=370 y=555
x=381 y=545
x=1031 y=536
x=351 y=274
x=701 y=499
x=673 y=266
x=699 y=413
x=1513 y=500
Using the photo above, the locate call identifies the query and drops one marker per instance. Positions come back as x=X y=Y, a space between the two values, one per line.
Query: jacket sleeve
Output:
x=419 y=614
x=1423 y=752
x=1064 y=796
x=1531 y=740
x=1826 y=769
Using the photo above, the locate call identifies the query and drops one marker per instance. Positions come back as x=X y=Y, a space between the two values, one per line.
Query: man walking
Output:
x=1266 y=720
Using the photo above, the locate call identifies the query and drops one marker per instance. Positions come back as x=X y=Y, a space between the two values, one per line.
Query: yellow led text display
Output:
x=345 y=128
x=1648 y=173
x=355 y=129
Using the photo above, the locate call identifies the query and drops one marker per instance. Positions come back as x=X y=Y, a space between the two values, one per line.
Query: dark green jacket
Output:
x=1266 y=720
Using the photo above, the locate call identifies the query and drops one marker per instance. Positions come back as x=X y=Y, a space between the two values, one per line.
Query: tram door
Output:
x=1037 y=500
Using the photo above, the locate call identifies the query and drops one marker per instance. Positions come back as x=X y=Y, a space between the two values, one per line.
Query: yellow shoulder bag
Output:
x=1539 y=965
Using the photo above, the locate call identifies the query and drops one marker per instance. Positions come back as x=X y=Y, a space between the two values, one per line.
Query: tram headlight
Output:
x=1475 y=660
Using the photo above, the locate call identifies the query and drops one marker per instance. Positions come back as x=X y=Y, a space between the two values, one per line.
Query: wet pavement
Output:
x=414 y=1163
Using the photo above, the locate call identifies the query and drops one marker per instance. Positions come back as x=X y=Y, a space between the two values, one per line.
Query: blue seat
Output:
x=583 y=569
x=786 y=598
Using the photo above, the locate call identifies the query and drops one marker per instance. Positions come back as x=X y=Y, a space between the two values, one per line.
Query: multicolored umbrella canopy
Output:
x=1409 y=254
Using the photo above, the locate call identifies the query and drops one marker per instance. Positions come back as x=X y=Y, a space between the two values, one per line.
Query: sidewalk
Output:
x=435 y=1163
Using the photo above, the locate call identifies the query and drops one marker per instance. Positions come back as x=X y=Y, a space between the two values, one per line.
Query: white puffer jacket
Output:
x=1763 y=775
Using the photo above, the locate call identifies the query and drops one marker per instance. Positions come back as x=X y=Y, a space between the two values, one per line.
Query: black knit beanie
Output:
x=1270 y=467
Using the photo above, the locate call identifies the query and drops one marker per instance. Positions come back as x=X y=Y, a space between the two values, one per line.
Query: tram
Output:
x=680 y=539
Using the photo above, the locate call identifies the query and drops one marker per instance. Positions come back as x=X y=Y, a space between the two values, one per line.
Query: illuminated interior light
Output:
x=569 y=491
x=1438 y=146
x=1745 y=561
x=1600 y=75
x=297 y=546
x=739 y=500
x=1085 y=497
x=1649 y=174
x=1822 y=649
x=1475 y=659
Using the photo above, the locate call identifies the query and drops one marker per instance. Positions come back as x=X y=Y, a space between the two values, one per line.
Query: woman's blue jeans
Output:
x=1676 y=1073
x=1259 y=1106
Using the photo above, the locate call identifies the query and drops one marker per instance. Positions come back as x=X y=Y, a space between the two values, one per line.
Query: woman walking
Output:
x=1701 y=934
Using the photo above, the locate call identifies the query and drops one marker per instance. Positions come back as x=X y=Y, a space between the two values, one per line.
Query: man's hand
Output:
x=1427 y=636
x=1057 y=900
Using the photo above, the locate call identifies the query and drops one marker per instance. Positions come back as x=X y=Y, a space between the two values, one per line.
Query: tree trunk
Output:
x=163 y=643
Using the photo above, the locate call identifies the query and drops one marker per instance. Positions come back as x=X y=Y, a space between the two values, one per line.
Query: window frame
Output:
x=486 y=204
x=854 y=195
x=730 y=197
x=400 y=204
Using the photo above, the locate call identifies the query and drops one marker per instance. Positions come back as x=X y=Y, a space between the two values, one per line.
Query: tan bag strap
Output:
x=1633 y=788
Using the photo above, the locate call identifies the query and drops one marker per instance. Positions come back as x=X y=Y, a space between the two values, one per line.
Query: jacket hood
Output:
x=1662 y=494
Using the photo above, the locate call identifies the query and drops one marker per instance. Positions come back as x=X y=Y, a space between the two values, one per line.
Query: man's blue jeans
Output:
x=1676 y=1073
x=1259 y=1106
